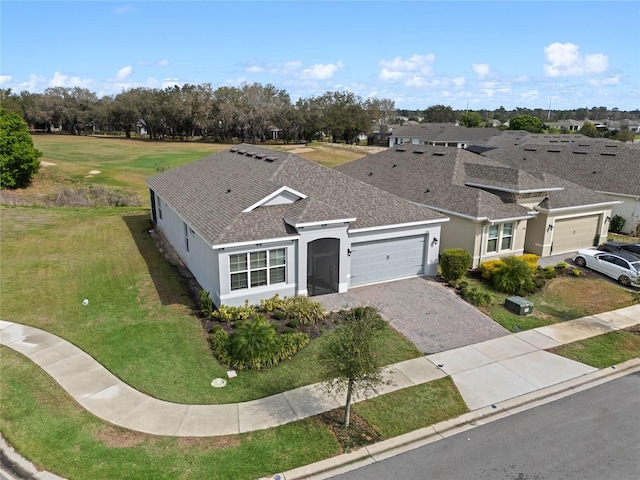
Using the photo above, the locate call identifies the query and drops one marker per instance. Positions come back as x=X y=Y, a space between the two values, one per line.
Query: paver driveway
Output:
x=426 y=312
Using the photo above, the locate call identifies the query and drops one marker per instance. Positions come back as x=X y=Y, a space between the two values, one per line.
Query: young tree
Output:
x=471 y=119
x=589 y=130
x=350 y=360
x=19 y=160
x=526 y=122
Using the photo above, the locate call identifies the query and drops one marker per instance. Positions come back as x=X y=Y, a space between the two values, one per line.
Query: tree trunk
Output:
x=347 y=407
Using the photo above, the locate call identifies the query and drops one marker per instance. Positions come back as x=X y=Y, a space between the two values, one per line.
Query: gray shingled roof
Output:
x=446 y=132
x=436 y=177
x=211 y=194
x=601 y=166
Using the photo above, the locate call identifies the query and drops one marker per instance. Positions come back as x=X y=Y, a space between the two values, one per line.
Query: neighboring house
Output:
x=250 y=222
x=441 y=134
x=495 y=210
x=569 y=125
x=608 y=167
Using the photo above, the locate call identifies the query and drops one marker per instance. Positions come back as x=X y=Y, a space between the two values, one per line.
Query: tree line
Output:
x=251 y=112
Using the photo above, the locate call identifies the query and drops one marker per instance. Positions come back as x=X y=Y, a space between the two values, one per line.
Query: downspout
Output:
x=481 y=242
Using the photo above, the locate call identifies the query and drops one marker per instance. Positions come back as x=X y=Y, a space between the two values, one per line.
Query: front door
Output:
x=323 y=266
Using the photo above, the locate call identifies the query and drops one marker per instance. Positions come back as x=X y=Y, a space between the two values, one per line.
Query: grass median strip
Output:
x=605 y=350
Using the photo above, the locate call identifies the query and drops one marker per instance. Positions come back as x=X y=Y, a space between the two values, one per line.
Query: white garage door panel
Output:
x=575 y=233
x=387 y=259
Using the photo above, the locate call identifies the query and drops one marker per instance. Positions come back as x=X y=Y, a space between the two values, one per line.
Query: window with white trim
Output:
x=186 y=237
x=256 y=269
x=500 y=236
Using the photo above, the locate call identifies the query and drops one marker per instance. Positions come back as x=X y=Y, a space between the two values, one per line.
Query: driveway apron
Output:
x=423 y=310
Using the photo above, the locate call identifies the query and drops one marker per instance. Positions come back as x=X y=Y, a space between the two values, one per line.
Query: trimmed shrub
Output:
x=206 y=304
x=232 y=314
x=562 y=265
x=616 y=224
x=219 y=340
x=514 y=277
x=454 y=263
x=576 y=273
x=476 y=296
x=303 y=309
x=488 y=269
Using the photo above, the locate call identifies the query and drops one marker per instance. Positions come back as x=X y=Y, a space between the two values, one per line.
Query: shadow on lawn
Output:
x=164 y=274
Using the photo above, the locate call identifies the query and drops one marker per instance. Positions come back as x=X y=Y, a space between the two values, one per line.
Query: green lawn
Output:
x=124 y=163
x=605 y=350
x=43 y=423
x=562 y=299
x=139 y=322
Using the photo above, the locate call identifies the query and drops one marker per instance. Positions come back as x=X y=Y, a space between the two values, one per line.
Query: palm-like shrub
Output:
x=514 y=277
x=255 y=342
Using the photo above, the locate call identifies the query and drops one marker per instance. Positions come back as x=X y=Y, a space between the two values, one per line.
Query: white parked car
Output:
x=622 y=266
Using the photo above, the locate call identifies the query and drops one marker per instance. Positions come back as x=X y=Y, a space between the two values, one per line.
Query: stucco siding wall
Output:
x=629 y=210
x=199 y=259
x=461 y=233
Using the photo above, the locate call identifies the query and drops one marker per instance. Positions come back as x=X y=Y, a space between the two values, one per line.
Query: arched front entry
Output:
x=323 y=266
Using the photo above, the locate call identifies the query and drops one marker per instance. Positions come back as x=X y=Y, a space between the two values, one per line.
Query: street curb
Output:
x=403 y=443
x=19 y=465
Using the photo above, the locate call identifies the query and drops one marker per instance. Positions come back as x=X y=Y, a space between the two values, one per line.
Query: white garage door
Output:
x=387 y=259
x=575 y=233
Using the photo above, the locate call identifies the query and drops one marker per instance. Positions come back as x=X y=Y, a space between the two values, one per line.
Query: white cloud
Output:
x=615 y=80
x=481 y=69
x=162 y=63
x=255 y=69
x=5 y=80
x=62 y=80
x=531 y=96
x=565 y=60
x=321 y=72
x=412 y=70
x=124 y=9
x=124 y=73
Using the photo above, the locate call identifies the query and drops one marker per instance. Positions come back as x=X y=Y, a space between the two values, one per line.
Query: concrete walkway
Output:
x=485 y=373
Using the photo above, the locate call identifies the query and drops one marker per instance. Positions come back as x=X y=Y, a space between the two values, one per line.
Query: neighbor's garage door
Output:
x=575 y=233
x=387 y=259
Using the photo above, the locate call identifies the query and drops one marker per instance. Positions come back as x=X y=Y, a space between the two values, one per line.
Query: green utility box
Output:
x=519 y=305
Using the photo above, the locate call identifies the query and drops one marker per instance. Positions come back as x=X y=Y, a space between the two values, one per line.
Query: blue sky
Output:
x=484 y=54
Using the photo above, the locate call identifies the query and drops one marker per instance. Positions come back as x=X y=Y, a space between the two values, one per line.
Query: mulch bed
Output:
x=358 y=434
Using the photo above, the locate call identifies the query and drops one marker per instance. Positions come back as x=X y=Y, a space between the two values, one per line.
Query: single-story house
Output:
x=250 y=222
x=441 y=134
x=495 y=210
x=611 y=168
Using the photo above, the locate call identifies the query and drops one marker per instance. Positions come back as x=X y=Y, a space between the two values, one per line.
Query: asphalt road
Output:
x=592 y=435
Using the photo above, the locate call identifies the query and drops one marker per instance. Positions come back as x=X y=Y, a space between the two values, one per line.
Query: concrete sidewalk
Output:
x=485 y=373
